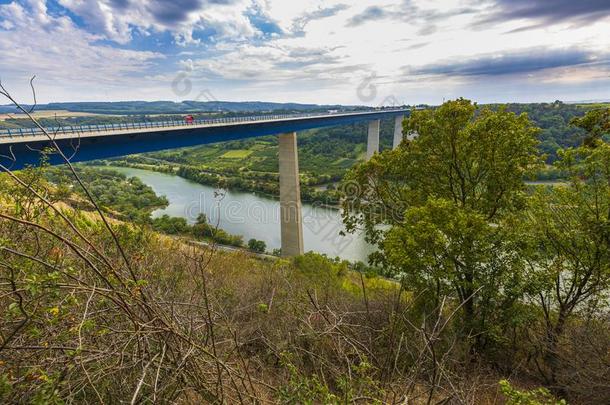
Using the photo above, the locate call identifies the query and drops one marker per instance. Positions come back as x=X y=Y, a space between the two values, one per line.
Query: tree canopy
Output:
x=441 y=207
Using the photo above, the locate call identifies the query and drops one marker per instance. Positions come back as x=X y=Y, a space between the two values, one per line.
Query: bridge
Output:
x=23 y=147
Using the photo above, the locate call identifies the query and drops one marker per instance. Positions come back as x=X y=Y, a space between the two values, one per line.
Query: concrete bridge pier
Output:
x=291 y=217
x=398 y=131
x=372 y=145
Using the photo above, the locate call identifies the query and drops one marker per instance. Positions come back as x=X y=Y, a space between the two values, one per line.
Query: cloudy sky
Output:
x=344 y=51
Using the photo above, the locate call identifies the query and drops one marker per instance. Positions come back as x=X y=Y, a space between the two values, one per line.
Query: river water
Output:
x=251 y=216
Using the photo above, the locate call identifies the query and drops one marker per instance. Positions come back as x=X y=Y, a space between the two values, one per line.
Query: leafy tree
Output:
x=441 y=207
x=258 y=246
x=202 y=218
x=170 y=225
x=596 y=123
x=569 y=227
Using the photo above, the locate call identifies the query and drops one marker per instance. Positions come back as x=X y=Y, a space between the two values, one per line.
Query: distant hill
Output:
x=595 y=101
x=170 y=107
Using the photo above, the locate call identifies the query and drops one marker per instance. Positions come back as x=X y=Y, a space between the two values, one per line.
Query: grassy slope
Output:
x=251 y=298
x=77 y=323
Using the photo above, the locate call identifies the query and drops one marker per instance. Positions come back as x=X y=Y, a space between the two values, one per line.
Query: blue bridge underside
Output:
x=19 y=155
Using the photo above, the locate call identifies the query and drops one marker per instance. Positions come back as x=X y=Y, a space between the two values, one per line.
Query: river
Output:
x=250 y=215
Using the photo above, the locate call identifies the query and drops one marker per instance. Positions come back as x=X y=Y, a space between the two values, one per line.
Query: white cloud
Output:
x=118 y=19
x=309 y=51
x=65 y=58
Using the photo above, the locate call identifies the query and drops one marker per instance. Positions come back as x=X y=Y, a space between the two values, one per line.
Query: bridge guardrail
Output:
x=69 y=129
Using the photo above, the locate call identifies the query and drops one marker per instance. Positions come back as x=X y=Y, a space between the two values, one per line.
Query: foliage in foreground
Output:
x=174 y=323
x=538 y=396
x=169 y=322
x=453 y=219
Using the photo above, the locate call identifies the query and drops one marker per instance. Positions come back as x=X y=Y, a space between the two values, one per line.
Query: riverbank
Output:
x=263 y=184
x=251 y=215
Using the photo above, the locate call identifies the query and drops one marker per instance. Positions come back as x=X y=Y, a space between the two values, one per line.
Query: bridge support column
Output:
x=290 y=196
x=398 y=131
x=372 y=145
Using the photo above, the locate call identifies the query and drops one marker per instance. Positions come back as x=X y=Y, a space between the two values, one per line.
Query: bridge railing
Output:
x=80 y=129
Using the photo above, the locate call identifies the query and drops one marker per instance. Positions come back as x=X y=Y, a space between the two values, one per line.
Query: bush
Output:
x=538 y=396
x=258 y=246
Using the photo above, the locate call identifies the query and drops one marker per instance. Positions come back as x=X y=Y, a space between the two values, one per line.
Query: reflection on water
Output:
x=251 y=216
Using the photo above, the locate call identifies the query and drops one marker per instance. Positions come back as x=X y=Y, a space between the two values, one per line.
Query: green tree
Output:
x=170 y=225
x=202 y=218
x=569 y=227
x=440 y=207
x=596 y=123
x=258 y=246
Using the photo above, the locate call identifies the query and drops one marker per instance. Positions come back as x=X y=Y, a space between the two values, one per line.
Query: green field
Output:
x=594 y=105
x=237 y=154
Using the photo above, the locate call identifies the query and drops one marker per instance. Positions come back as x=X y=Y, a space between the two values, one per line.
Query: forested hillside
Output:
x=554 y=120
